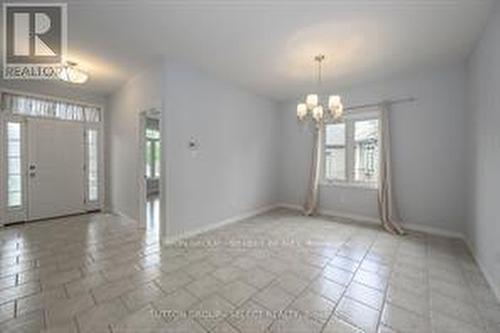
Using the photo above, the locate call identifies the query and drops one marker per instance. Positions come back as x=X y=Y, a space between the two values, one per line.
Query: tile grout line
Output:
x=386 y=290
x=347 y=287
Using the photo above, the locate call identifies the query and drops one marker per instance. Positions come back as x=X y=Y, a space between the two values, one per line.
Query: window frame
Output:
x=38 y=106
x=349 y=118
x=323 y=157
x=87 y=164
x=99 y=204
x=12 y=213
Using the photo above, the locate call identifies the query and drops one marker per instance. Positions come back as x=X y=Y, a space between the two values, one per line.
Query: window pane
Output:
x=14 y=131
x=366 y=150
x=93 y=193
x=157 y=159
x=149 y=159
x=14 y=178
x=93 y=165
x=15 y=199
x=14 y=183
x=41 y=107
x=335 y=134
x=152 y=133
x=92 y=115
x=14 y=165
x=335 y=152
x=14 y=148
x=335 y=164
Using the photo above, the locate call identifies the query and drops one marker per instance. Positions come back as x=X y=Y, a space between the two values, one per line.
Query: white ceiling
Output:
x=268 y=46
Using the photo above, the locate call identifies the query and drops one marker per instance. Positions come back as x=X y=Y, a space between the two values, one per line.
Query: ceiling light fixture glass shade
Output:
x=70 y=73
x=301 y=111
x=317 y=113
x=312 y=103
x=334 y=101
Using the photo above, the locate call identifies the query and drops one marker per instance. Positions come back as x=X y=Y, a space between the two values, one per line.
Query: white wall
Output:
x=140 y=93
x=427 y=140
x=234 y=170
x=483 y=227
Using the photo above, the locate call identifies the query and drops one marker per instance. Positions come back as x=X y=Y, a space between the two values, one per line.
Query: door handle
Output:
x=32 y=174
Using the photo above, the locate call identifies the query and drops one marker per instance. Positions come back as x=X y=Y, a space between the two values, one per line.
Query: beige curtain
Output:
x=386 y=205
x=311 y=205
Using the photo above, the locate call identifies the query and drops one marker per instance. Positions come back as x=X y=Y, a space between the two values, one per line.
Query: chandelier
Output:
x=71 y=73
x=313 y=105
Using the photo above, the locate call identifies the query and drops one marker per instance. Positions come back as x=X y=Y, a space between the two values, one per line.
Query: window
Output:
x=40 y=107
x=366 y=150
x=153 y=157
x=92 y=165
x=352 y=150
x=335 y=154
x=14 y=166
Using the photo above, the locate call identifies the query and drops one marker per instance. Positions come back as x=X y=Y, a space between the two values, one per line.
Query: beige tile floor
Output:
x=278 y=272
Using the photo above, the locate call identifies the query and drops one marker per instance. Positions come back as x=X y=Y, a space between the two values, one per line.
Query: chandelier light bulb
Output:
x=317 y=113
x=301 y=111
x=338 y=111
x=311 y=101
x=334 y=102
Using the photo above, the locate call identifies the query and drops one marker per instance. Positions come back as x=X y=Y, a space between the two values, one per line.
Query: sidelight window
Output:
x=14 y=165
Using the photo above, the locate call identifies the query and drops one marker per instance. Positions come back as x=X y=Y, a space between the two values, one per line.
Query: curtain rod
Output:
x=394 y=101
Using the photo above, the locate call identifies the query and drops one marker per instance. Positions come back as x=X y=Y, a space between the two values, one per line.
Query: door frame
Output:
x=3 y=186
x=143 y=115
x=6 y=116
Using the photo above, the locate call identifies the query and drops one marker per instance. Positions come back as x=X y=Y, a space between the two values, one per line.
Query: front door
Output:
x=56 y=175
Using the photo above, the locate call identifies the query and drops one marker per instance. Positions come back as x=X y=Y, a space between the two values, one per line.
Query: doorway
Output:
x=150 y=151
x=52 y=168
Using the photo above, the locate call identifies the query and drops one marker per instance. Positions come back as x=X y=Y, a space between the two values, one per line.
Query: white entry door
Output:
x=55 y=168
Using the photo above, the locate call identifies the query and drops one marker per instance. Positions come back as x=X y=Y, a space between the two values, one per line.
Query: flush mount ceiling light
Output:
x=71 y=73
x=313 y=105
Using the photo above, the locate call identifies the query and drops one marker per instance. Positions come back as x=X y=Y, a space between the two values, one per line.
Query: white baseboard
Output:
x=482 y=267
x=325 y=212
x=191 y=233
x=122 y=215
x=375 y=221
x=427 y=229
x=331 y=213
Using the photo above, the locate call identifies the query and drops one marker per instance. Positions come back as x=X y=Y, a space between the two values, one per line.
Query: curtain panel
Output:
x=311 y=204
x=386 y=203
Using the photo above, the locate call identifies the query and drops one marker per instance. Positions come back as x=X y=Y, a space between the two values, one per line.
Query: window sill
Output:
x=362 y=186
